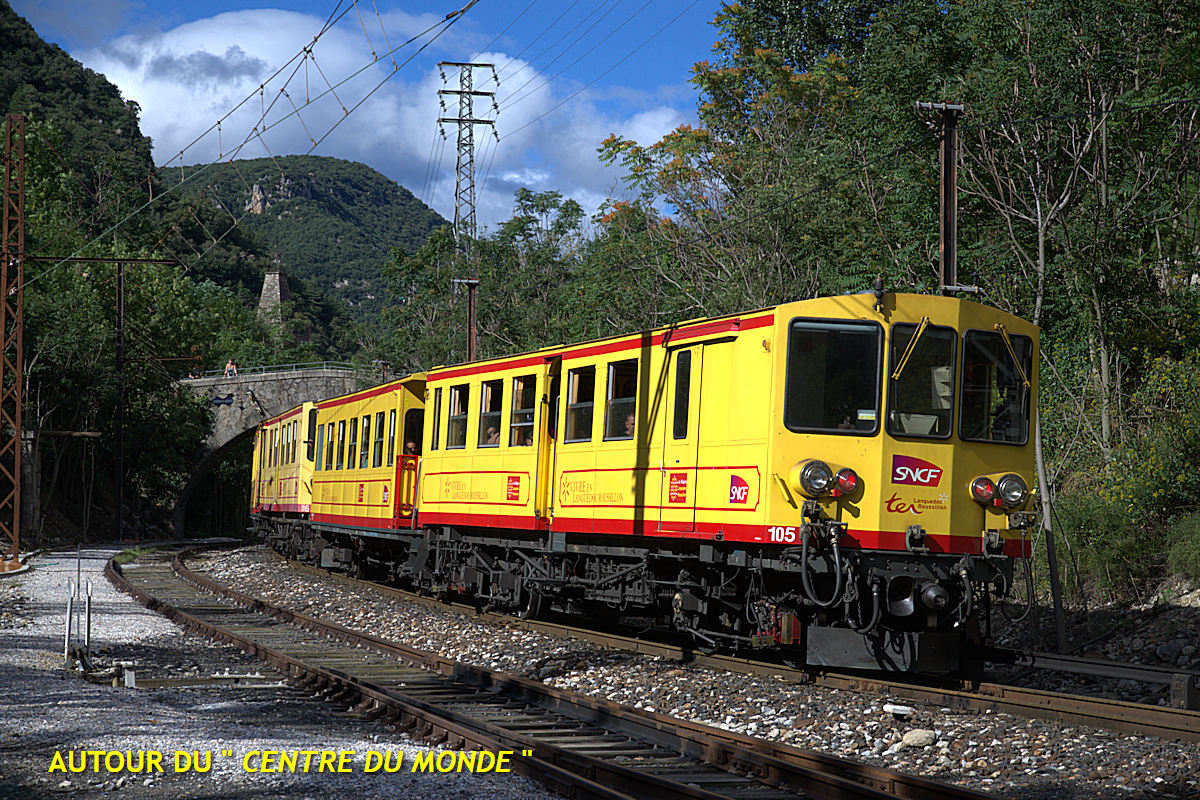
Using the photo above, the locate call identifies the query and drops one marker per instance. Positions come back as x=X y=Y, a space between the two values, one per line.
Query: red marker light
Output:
x=847 y=480
x=983 y=490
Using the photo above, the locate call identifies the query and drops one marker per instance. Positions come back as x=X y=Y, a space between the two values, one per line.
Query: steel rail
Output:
x=427 y=722
x=1114 y=715
x=774 y=765
x=815 y=774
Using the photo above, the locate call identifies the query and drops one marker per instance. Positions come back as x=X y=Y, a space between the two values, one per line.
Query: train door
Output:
x=681 y=439
x=407 y=463
x=547 y=440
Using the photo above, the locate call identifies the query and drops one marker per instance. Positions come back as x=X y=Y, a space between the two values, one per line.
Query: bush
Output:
x=1118 y=554
x=1184 y=556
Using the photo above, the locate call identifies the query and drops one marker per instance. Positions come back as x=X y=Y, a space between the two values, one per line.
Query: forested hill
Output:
x=331 y=221
x=94 y=132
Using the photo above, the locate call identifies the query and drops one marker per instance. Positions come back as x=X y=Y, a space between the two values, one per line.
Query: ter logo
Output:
x=915 y=472
x=739 y=490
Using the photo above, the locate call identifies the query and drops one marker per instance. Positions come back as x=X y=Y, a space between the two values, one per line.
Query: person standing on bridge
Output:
x=230 y=369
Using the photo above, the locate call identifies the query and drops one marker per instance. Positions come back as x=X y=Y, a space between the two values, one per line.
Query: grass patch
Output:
x=125 y=556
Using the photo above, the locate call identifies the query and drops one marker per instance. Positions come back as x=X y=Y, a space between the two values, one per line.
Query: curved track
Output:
x=581 y=746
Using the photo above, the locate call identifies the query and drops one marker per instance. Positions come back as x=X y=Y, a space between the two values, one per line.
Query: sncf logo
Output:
x=739 y=490
x=915 y=472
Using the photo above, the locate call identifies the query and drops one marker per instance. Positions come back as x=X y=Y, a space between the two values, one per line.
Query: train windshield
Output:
x=833 y=377
x=921 y=380
x=995 y=394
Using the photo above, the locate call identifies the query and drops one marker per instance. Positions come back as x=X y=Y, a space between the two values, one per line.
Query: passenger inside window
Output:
x=581 y=396
x=489 y=414
x=621 y=413
x=521 y=423
x=456 y=428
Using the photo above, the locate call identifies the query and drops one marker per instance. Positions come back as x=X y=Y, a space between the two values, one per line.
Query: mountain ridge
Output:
x=328 y=220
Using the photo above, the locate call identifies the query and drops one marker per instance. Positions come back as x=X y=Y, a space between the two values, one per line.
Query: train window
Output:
x=352 y=445
x=521 y=422
x=364 y=456
x=581 y=396
x=312 y=426
x=271 y=450
x=995 y=399
x=921 y=381
x=456 y=428
x=489 y=413
x=437 y=418
x=683 y=390
x=391 y=440
x=833 y=377
x=329 y=448
x=620 y=415
x=377 y=461
x=292 y=443
x=341 y=443
x=414 y=421
x=320 y=446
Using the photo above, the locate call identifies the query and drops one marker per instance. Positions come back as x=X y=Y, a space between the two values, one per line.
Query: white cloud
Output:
x=188 y=77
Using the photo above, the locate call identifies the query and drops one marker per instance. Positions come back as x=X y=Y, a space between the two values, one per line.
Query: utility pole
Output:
x=471 y=283
x=12 y=324
x=464 y=181
x=119 y=421
x=947 y=242
x=119 y=411
x=948 y=196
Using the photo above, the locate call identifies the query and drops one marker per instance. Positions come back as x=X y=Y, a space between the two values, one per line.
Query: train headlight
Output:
x=983 y=490
x=1012 y=491
x=815 y=478
x=847 y=482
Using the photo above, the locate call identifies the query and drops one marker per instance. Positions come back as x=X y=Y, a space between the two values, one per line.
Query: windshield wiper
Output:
x=1013 y=353
x=912 y=345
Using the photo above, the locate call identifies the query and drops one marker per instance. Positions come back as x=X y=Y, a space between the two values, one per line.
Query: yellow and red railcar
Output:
x=281 y=470
x=844 y=476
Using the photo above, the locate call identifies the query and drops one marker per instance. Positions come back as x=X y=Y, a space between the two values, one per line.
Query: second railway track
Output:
x=1164 y=722
x=581 y=746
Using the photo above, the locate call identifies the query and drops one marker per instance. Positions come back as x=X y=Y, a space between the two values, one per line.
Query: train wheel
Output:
x=534 y=604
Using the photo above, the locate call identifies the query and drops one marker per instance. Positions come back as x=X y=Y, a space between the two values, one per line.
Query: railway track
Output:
x=580 y=746
x=1173 y=723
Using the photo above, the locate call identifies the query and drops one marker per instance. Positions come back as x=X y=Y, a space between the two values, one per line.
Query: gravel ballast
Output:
x=46 y=709
x=990 y=752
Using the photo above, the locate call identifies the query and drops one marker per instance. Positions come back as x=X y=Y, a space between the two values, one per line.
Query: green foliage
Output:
x=330 y=222
x=94 y=146
x=1156 y=471
x=1184 y=539
x=1118 y=553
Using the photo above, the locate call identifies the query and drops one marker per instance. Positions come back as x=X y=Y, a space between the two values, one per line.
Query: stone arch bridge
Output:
x=240 y=402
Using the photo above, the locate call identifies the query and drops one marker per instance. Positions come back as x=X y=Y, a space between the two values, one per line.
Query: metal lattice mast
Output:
x=464 y=182
x=12 y=318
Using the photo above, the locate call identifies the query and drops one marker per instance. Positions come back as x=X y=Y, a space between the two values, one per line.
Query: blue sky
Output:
x=570 y=73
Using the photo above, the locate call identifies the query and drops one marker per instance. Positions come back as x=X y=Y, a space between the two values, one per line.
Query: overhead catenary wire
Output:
x=515 y=58
x=257 y=131
x=592 y=82
x=582 y=56
x=583 y=88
